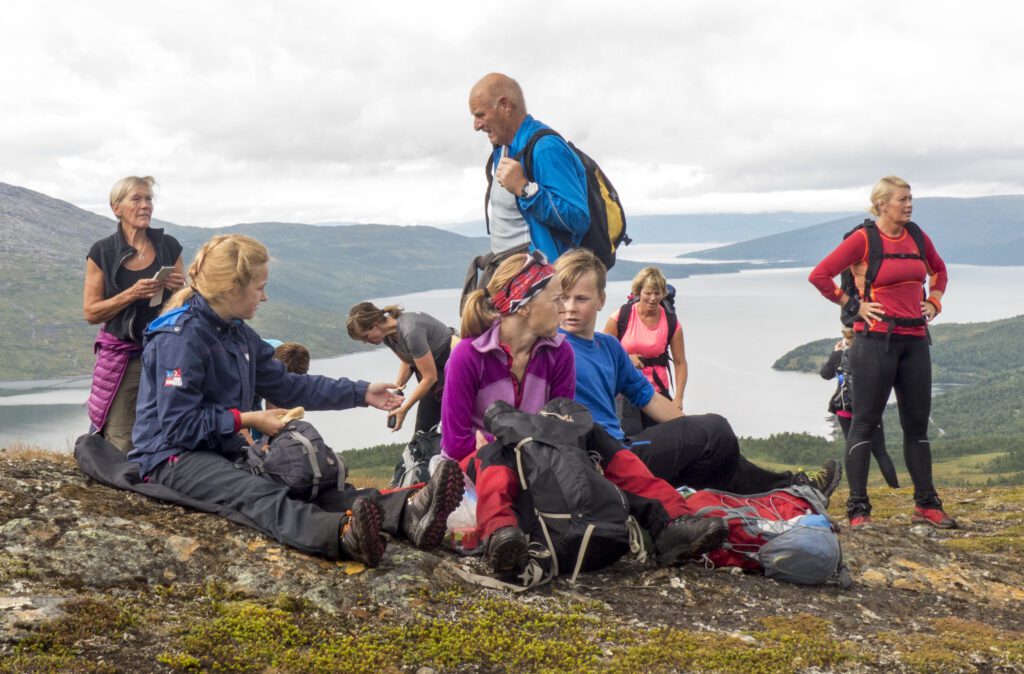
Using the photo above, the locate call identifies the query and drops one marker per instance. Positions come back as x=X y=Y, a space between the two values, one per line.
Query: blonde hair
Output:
x=883 y=192
x=364 y=316
x=477 y=312
x=223 y=266
x=123 y=187
x=649 y=276
x=574 y=264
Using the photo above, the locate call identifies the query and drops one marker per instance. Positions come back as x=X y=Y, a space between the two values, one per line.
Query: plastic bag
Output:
x=461 y=535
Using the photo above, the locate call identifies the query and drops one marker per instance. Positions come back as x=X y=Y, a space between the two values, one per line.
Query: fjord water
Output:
x=735 y=326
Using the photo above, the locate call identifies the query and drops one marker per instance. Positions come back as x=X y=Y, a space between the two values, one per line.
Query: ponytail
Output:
x=477 y=314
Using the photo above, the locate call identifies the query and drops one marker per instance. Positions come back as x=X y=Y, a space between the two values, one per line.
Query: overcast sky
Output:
x=336 y=111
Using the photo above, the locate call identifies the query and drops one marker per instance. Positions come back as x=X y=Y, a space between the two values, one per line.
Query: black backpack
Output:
x=566 y=505
x=607 y=219
x=414 y=466
x=875 y=257
x=299 y=458
x=668 y=302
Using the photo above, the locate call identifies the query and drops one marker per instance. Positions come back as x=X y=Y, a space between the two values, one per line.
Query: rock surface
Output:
x=69 y=547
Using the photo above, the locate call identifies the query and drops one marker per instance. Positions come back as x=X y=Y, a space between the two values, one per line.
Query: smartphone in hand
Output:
x=163 y=273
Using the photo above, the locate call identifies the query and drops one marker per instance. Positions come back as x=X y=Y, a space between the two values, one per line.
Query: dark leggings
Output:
x=428 y=409
x=904 y=365
x=701 y=451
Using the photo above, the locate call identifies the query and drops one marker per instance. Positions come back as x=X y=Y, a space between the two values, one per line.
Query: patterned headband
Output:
x=530 y=280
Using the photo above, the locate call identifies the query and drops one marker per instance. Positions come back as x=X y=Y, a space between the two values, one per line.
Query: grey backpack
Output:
x=299 y=458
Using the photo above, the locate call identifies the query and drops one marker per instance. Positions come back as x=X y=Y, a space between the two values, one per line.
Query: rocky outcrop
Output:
x=93 y=579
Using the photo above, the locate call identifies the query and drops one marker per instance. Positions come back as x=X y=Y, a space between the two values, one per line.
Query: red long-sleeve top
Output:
x=899 y=281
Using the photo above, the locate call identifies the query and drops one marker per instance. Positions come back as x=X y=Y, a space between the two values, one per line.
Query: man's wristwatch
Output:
x=529 y=189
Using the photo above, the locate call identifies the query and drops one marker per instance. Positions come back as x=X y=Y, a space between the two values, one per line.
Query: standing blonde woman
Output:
x=202 y=370
x=119 y=284
x=890 y=348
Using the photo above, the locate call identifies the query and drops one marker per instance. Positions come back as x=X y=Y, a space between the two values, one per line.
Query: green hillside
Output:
x=317 y=273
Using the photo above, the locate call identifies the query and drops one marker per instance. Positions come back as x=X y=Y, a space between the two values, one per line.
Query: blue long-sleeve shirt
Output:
x=196 y=368
x=557 y=215
x=603 y=371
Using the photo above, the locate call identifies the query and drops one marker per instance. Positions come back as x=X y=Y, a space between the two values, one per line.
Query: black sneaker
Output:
x=687 y=536
x=508 y=551
x=360 y=532
x=824 y=480
x=425 y=517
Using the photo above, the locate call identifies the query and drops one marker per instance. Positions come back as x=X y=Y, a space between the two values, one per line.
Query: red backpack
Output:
x=763 y=536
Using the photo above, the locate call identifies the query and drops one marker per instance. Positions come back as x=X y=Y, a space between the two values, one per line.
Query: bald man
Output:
x=545 y=211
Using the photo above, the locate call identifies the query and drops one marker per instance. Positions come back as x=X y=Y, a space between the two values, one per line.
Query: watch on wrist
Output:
x=529 y=189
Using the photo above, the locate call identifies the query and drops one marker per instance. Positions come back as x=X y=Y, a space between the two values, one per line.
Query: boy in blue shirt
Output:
x=699 y=451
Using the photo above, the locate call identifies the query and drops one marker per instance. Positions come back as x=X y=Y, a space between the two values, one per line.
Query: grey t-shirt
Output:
x=419 y=334
x=508 y=227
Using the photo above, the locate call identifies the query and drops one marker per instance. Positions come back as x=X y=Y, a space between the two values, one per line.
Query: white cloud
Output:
x=342 y=111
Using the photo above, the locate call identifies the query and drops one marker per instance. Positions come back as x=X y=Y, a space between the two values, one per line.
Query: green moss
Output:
x=1010 y=539
x=781 y=645
x=13 y=568
x=959 y=645
x=55 y=646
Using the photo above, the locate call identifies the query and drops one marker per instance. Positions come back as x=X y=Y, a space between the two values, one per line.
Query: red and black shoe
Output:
x=360 y=532
x=935 y=517
x=860 y=520
x=425 y=517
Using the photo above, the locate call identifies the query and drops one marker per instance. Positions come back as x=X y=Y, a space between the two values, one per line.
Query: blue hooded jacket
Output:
x=196 y=368
x=557 y=214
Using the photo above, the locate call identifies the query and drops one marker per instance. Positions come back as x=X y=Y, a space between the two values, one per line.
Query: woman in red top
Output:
x=890 y=350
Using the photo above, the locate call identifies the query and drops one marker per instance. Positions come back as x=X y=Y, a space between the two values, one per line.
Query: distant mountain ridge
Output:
x=317 y=273
x=978 y=230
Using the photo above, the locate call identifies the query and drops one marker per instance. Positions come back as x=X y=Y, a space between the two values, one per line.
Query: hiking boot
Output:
x=687 y=536
x=425 y=517
x=933 y=516
x=360 y=532
x=860 y=520
x=824 y=480
x=508 y=551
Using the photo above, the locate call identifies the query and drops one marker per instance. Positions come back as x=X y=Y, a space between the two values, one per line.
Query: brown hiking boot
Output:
x=508 y=551
x=425 y=517
x=360 y=532
x=688 y=536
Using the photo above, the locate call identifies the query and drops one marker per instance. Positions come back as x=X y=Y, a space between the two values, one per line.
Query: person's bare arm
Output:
x=678 y=350
x=99 y=310
x=661 y=409
x=427 y=368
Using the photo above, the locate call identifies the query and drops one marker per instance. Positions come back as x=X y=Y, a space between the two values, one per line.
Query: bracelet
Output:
x=238 y=418
x=934 y=301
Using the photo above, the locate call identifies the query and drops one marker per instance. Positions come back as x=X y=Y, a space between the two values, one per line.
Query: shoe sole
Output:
x=366 y=520
x=511 y=558
x=938 y=525
x=708 y=541
x=432 y=526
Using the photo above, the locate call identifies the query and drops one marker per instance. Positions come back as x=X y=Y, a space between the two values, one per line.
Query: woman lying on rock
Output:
x=202 y=369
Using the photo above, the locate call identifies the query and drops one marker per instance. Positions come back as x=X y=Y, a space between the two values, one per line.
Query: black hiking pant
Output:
x=312 y=528
x=701 y=451
x=903 y=364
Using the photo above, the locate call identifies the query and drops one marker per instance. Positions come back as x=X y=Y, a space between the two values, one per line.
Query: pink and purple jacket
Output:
x=112 y=356
x=478 y=373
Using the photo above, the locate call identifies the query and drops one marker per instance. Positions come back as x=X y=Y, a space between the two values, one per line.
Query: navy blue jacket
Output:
x=196 y=368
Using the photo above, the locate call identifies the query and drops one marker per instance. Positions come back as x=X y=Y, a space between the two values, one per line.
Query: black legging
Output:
x=701 y=451
x=428 y=408
x=904 y=364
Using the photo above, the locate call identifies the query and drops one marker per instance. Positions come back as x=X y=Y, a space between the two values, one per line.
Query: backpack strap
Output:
x=488 y=171
x=525 y=156
x=314 y=465
x=625 y=312
x=874 y=256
